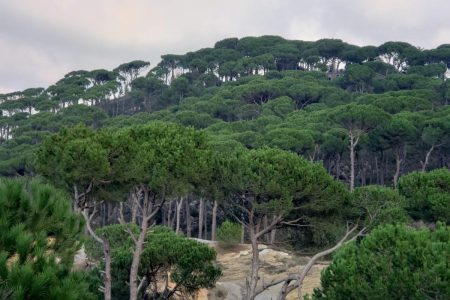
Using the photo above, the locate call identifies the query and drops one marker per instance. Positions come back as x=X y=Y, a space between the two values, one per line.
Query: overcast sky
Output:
x=41 y=40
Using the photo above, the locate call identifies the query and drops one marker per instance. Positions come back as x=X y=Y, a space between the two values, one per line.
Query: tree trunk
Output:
x=338 y=166
x=139 y=247
x=273 y=234
x=377 y=170
x=352 y=163
x=427 y=158
x=214 y=221
x=147 y=215
x=287 y=289
x=205 y=209
x=201 y=218
x=169 y=214
x=398 y=164
x=251 y=289
x=107 y=281
x=188 y=220
x=134 y=208
x=265 y=224
x=179 y=206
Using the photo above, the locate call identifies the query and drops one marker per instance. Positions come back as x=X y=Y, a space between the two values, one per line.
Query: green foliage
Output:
x=379 y=205
x=189 y=264
x=74 y=157
x=427 y=195
x=359 y=118
x=168 y=158
x=358 y=78
x=38 y=238
x=392 y=262
x=229 y=234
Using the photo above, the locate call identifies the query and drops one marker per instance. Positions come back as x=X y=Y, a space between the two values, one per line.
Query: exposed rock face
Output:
x=275 y=264
x=80 y=260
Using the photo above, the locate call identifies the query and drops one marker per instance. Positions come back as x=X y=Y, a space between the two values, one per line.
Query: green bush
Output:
x=39 y=235
x=427 y=195
x=188 y=263
x=378 y=205
x=392 y=262
x=229 y=234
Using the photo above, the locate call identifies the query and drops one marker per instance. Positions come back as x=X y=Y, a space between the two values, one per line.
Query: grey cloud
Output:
x=42 y=40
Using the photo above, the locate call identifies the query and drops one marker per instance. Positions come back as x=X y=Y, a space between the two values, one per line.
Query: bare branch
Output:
x=300 y=277
x=141 y=283
x=271 y=226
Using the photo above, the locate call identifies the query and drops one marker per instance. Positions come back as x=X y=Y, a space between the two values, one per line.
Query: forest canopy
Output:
x=307 y=145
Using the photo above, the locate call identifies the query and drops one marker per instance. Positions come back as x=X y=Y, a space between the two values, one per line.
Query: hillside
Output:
x=259 y=91
x=274 y=146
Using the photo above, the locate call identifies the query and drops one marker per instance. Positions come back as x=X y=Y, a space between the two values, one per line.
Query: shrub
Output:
x=392 y=262
x=188 y=263
x=38 y=239
x=229 y=234
x=378 y=205
x=427 y=195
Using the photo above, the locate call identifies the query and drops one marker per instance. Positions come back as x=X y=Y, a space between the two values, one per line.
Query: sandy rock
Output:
x=80 y=260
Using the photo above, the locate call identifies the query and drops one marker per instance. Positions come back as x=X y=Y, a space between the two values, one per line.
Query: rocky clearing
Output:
x=275 y=265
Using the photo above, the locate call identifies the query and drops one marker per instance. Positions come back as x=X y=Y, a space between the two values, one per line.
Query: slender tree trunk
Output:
x=338 y=166
x=242 y=234
x=377 y=170
x=134 y=209
x=427 y=158
x=169 y=214
x=398 y=164
x=265 y=224
x=188 y=220
x=214 y=221
x=107 y=282
x=251 y=289
x=364 y=173
x=201 y=218
x=273 y=234
x=179 y=206
x=147 y=215
x=205 y=209
x=352 y=162
x=139 y=247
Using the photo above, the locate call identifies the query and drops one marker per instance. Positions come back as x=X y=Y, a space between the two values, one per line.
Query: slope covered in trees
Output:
x=369 y=113
x=307 y=145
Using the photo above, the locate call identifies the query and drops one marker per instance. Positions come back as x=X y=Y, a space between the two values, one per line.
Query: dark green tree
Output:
x=427 y=195
x=392 y=262
x=166 y=258
x=39 y=235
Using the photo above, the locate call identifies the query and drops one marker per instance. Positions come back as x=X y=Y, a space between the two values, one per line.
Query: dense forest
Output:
x=301 y=145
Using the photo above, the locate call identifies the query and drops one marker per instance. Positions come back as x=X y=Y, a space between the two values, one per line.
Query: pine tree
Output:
x=38 y=238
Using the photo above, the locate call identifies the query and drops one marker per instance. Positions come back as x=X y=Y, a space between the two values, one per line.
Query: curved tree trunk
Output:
x=427 y=158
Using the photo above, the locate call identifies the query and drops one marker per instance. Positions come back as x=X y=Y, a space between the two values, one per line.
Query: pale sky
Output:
x=41 y=40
